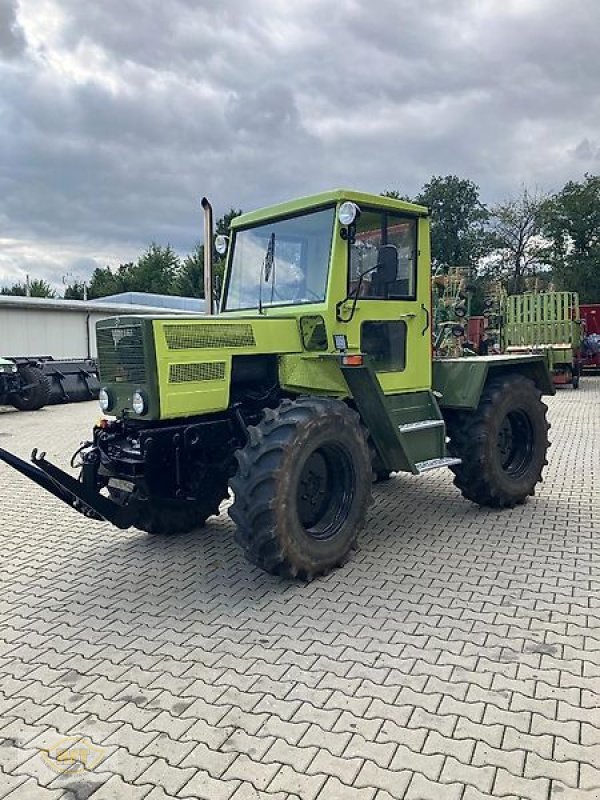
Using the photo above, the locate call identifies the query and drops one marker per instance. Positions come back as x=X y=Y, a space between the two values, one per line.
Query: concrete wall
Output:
x=60 y=328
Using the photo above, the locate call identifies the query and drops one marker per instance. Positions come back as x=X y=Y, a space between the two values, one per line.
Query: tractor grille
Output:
x=121 y=354
x=200 y=335
x=184 y=373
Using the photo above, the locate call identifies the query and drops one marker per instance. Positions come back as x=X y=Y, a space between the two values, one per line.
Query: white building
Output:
x=36 y=326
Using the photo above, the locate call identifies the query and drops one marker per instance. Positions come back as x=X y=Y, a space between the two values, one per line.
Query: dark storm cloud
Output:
x=118 y=116
x=12 y=39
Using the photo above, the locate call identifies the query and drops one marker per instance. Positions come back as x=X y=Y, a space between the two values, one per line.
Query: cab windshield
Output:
x=284 y=262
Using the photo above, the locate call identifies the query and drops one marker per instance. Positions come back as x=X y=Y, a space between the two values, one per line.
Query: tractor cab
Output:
x=353 y=269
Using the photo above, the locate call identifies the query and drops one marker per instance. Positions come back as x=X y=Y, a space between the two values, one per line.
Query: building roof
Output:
x=113 y=305
x=169 y=301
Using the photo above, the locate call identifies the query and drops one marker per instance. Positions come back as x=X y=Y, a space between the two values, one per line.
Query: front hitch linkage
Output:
x=76 y=494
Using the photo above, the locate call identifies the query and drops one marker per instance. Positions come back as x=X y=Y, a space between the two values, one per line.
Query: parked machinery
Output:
x=23 y=384
x=547 y=323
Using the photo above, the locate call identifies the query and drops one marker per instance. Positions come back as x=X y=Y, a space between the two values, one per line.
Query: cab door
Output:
x=391 y=322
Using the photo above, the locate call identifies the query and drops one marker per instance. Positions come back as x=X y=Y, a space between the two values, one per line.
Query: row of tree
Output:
x=555 y=238
x=158 y=270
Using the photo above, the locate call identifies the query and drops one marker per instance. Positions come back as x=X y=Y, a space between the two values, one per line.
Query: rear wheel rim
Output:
x=515 y=443
x=325 y=491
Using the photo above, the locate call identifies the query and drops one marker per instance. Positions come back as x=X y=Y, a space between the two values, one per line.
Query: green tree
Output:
x=74 y=291
x=459 y=235
x=155 y=271
x=106 y=282
x=394 y=194
x=190 y=281
x=37 y=288
x=516 y=225
x=571 y=223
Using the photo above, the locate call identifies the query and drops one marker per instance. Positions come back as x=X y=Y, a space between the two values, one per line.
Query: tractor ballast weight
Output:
x=313 y=380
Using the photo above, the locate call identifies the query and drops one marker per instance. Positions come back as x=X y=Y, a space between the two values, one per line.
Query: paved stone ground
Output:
x=457 y=656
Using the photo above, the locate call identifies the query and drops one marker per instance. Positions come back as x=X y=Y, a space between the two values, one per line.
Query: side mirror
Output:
x=387 y=263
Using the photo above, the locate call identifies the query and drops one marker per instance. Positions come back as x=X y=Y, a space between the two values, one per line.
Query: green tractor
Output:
x=314 y=379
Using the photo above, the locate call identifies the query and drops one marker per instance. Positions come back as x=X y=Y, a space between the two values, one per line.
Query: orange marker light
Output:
x=352 y=361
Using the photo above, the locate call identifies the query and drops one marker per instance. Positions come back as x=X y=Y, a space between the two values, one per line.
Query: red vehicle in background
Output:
x=590 y=351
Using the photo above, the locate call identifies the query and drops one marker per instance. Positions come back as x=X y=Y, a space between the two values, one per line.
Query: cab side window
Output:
x=375 y=229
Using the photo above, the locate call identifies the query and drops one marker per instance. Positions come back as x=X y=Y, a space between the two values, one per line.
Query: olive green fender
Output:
x=459 y=382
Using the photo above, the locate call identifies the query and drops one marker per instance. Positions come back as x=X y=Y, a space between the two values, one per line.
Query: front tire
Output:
x=502 y=444
x=302 y=488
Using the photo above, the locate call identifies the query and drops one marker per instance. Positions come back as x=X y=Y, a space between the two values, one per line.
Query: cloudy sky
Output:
x=116 y=116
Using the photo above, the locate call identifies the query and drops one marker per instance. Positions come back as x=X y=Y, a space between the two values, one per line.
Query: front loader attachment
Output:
x=75 y=493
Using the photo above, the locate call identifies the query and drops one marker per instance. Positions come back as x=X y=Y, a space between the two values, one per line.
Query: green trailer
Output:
x=548 y=323
x=314 y=379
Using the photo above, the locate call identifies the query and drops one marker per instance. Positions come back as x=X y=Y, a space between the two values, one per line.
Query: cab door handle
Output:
x=424 y=331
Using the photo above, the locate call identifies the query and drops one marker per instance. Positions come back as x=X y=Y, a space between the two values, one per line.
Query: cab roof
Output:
x=326 y=198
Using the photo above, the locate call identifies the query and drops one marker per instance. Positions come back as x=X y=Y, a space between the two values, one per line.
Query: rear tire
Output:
x=502 y=443
x=302 y=488
x=37 y=395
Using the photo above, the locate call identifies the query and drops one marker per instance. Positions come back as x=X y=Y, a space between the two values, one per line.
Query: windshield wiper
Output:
x=268 y=266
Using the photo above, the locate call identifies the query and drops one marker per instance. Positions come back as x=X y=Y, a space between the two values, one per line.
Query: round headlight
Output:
x=138 y=402
x=104 y=400
x=347 y=213
x=221 y=244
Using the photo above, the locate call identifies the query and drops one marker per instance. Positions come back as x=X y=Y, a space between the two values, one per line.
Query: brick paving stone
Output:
x=334 y=789
x=306 y=787
x=462 y=749
x=455 y=643
x=30 y=790
x=427 y=764
x=379 y=752
x=325 y=763
x=204 y=787
x=257 y=773
x=393 y=781
x=564 y=771
x=529 y=788
x=114 y=788
x=9 y=783
x=161 y=773
x=589 y=777
x=455 y=771
x=411 y=737
x=295 y=756
x=421 y=788
x=314 y=736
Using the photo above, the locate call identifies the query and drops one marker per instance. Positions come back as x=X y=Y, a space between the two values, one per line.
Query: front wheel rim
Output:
x=515 y=443
x=325 y=491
